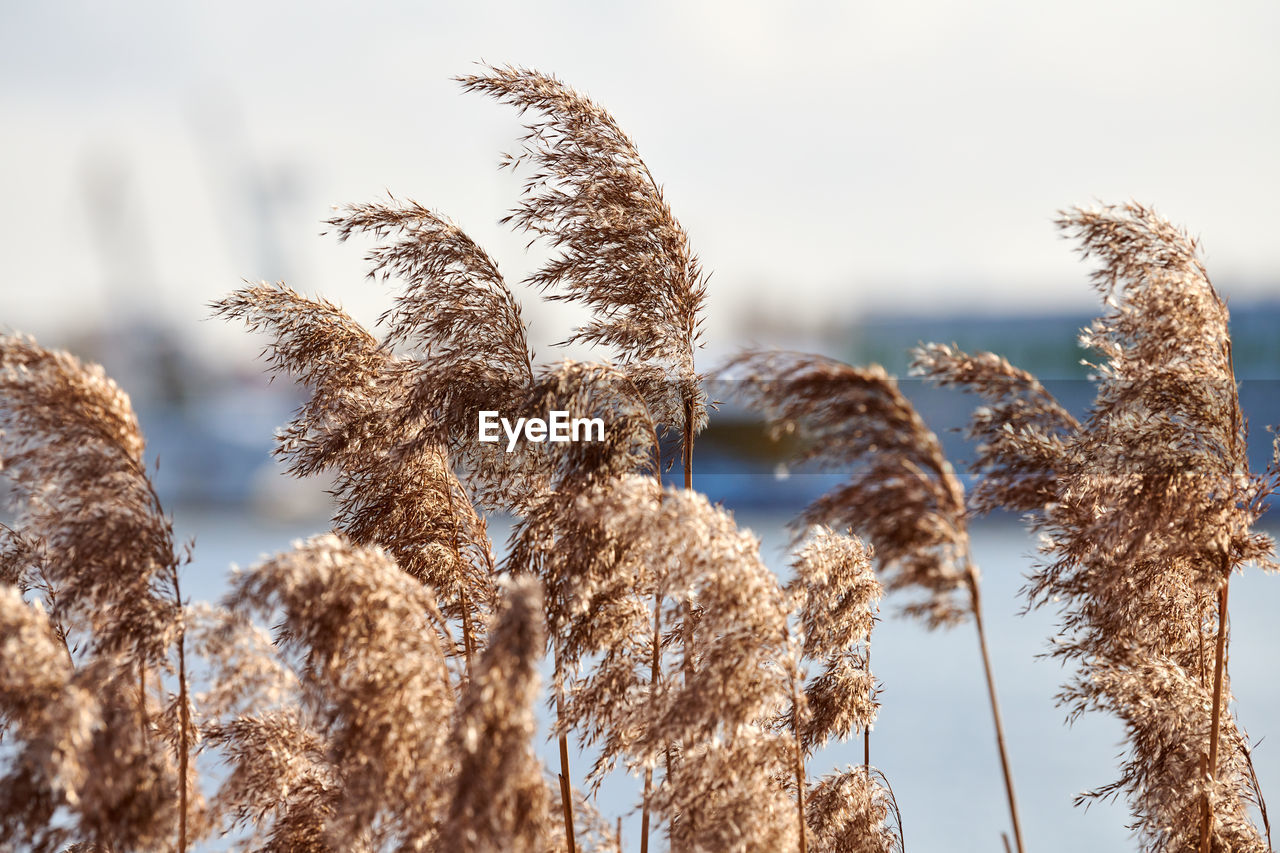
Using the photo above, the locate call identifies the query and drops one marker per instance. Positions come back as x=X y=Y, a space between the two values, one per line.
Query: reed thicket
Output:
x=376 y=687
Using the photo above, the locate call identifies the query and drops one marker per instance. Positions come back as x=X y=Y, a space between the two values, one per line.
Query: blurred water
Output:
x=934 y=737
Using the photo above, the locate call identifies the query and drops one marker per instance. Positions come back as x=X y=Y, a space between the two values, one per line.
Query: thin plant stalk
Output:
x=566 y=789
x=688 y=444
x=866 y=732
x=142 y=697
x=686 y=629
x=184 y=719
x=468 y=644
x=468 y=647
x=1219 y=662
x=653 y=679
x=799 y=761
x=976 y=602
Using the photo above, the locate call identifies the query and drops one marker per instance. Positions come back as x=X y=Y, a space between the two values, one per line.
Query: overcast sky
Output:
x=825 y=158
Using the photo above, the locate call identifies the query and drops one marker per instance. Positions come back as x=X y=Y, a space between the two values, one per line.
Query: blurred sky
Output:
x=827 y=159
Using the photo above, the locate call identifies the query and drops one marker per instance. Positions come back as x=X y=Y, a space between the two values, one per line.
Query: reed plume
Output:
x=902 y=494
x=590 y=605
x=391 y=489
x=702 y=719
x=1022 y=432
x=1146 y=509
x=49 y=717
x=367 y=643
x=853 y=811
x=583 y=581
x=500 y=801
x=835 y=595
x=465 y=351
x=281 y=786
x=73 y=451
x=621 y=251
x=93 y=540
x=458 y=319
x=730 y=795
x=1165 y=452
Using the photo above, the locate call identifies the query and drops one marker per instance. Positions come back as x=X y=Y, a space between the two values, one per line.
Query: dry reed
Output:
x=93 y=540
x=622 y=253
x=501 y=801
x=368 y=646
x=365 y=724
x=902 y=494
x=1146 y=510
x=391 y=488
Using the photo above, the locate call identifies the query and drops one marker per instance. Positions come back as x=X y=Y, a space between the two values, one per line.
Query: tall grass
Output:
x=1147 y=511
x=375 y=687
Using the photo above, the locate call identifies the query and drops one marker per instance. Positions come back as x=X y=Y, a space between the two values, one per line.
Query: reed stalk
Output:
x=976 y=599
x=1219 y=665
x=866 y=734
x=184 y=720
x=653 y=679
x=798 y=750
x=566 y=787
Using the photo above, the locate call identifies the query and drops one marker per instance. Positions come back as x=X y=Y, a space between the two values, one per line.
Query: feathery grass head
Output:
x=282 y=785
x=594 y=390
x=1022 y=432
x=350 y=379
x=902 y=494
x=1154 y=491
x=835 y=596
x=47 y=719
x=729 y=795
x=81 y=765
x=1165 y=708
x=694 y=559
x=1152 y=514
x=455 y=304
x=853 y=812
x=368 y=644
x=469 y=342
x=622 y=253
x=1146 y=509
x=590 y=594
x=391 y=489
x=501 y=801
x=71 y=446
x=1165 y=444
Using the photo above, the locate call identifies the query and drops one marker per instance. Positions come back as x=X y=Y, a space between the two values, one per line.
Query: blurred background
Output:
x=858 y=176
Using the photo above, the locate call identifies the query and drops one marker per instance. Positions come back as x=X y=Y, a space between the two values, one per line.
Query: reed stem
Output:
x=1219 y=659
x=800 y=774
x=142 y=699
x=468 y=643
x=976 y=601
x=653 y=680
x=866 y=732
x=184 y=719
x=566 y=789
